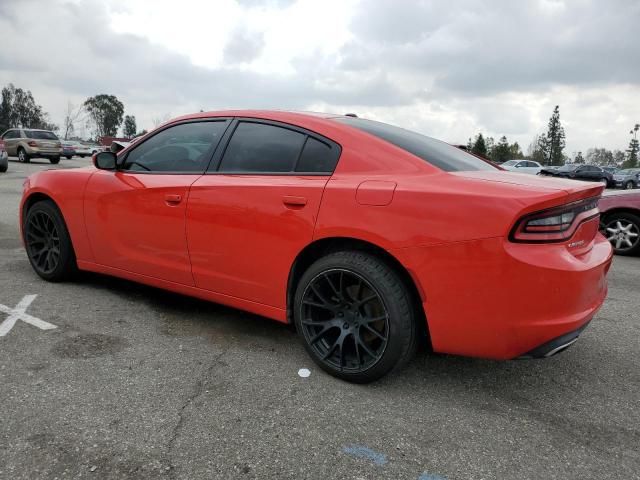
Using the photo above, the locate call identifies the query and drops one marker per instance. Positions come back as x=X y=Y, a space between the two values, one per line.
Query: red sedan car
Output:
x=368 y=237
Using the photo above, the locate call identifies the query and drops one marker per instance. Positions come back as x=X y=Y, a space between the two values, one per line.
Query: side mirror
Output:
x=105 y=160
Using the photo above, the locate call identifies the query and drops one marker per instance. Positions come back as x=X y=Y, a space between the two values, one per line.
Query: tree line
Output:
x=548 y=148
x=103 y=114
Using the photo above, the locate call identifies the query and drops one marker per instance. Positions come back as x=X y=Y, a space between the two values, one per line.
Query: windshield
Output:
x=439 y=154
x=510 y=163
x=628 y=171
x=40 y=135
x=567 y=168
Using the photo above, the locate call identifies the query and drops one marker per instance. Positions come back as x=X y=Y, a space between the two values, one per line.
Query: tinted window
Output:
x=40 y=135
x=181 y=148
x=257 y=147
x=437 y=153
x=318 y=157
x=11 y=134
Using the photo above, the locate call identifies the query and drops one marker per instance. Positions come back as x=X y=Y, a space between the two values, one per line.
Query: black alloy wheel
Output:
x=48 y=243
x=345 y=320
x=355 y=316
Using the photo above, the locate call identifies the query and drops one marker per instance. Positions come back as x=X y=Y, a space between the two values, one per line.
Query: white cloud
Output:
x=446 y=69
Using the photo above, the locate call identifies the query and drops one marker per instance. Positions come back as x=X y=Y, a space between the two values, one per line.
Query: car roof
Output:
x=282 y=115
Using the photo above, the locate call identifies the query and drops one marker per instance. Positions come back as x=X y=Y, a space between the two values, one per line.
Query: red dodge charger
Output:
x=369 y=238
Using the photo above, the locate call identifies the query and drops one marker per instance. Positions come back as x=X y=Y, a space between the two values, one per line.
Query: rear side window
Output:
x=439 y=154
x=317 y=157
x=40 y=135
x=11 y=134
x=258 y=147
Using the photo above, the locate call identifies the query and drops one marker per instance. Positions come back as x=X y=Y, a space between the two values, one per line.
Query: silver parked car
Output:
x=628 y=178
x=522 y=166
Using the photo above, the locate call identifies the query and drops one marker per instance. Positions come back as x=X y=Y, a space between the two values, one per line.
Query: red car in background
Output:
x=4 y=157
x=368 y=237
x=620 y=220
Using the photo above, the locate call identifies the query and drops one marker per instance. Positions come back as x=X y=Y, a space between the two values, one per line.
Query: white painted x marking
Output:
x=18 y=313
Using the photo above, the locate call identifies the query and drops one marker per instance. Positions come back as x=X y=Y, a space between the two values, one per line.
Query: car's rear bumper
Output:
x=45 y=152
x=494 y=299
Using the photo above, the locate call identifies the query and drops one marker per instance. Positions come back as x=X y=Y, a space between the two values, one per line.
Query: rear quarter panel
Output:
x=66 y=189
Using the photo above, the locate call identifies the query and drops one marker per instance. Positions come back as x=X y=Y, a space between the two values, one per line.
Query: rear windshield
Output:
x=40 y=135
x=439 y=154
x=567 y=168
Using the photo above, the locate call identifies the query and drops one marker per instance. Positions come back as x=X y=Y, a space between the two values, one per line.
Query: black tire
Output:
x=23 y=156
x=346 y=319
x=43 y=228
x=614 y=224
x=4 y=166
x=55 y=160
x=629 y=185
x=68 y=157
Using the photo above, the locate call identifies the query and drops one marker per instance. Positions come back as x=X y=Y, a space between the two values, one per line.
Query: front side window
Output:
x=182 y=148
x=439 y=154
x=258 y=147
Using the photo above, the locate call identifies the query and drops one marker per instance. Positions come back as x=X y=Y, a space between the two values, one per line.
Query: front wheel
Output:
x=629 y=185
x=55 y=160
x=623 y=231
x=48 y=242
x=355 y=316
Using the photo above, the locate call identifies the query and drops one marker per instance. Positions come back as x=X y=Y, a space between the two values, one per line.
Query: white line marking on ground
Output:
x=19 y=313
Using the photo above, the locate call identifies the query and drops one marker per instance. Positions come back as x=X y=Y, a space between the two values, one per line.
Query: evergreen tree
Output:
x=129 y=129
x=479 y=146
x=578 y=158
x=502 y=151
x=555 y=139
x=634 y=147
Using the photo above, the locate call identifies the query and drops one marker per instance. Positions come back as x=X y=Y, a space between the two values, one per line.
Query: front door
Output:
x=135 y=216
x=248 y=219
x=11 y=139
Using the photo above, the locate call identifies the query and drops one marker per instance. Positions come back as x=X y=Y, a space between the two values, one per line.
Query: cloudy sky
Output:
x=448 y=69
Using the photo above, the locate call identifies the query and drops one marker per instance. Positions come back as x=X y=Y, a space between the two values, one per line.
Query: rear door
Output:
x=256 y=209
x=135 y=216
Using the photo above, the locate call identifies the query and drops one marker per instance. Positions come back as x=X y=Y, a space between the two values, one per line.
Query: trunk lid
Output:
x=574 y=189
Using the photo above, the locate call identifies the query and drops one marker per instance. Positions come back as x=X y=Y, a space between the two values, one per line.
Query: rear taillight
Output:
x=32 y=143
x=555 y=224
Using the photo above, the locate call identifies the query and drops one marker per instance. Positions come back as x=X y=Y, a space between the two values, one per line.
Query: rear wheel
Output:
x=55 y=160
x=23 y=157
x=68 y=157
x=48 y=242
x=623 y=231
x=355 y=316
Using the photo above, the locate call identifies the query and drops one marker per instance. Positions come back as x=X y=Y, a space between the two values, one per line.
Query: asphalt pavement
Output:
x=137 y=383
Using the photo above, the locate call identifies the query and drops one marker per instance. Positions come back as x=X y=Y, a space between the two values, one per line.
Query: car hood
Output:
x=573 y=188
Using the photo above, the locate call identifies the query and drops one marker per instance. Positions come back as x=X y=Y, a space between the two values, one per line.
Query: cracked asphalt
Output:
x=138 y=383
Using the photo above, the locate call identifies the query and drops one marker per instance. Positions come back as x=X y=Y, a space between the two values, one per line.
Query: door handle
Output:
x=172 y=199
x=291 y=201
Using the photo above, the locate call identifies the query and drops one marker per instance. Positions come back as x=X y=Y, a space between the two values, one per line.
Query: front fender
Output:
x=65 y=188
